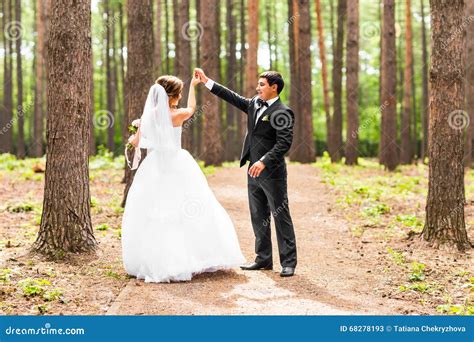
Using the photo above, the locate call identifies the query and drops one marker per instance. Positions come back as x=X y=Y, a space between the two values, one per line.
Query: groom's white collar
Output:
x=272 y=101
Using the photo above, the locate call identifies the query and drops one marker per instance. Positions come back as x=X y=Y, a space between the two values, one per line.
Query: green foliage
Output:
x=396 y=256
x=417 y=271
x=376 y=210
x=21 y=208
x=456 y=309
x=33 y=287
x=103 y=226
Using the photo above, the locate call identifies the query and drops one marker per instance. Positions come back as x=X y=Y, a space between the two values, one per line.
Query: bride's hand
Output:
x=134 y=140
x=195 y=81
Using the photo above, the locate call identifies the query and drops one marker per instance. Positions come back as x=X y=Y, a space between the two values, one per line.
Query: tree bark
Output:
x=66 y=223
x=406 y=154
x=109 y=65
x=158 y=46
x=139 y=65
x=324 y=72
x=213 y=153
x=231 y=145
x=6 y=137
x=305 y=151
x=388 y=137
x=19 y=78
x=425 y=101
x=469 y=81
x=352 y=82
x=337 y=83
x=445 y=223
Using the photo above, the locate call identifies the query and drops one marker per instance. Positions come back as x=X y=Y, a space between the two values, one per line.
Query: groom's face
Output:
x=265 y=91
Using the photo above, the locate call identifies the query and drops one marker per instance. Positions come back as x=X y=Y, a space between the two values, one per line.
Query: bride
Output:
x=173 y=226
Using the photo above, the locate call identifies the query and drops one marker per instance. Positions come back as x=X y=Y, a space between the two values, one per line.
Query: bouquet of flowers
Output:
x=132 y=143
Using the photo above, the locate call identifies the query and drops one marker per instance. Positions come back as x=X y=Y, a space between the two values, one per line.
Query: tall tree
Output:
x=210 y=46
x=324 y=72
x=139 y=65
x=352 y=82
x=305 y=151
x=425 y=112
x=469 y=81
x=251 y=71
x=406 y=153
x=337 y=83
x=184 y=65
x=388 y=137
x=110 y=65
x=42 y=9
x=241 y=120
x=293 y=40
x=444 y=224
x=66 y=222
x=19 y=78
x=158 y=46
x=231 y=145
x=6 y=141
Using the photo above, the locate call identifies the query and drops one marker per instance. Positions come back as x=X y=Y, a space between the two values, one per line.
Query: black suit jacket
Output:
x=270 y=138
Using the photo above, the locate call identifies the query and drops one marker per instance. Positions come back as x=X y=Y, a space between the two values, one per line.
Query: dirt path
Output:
x=335 y=273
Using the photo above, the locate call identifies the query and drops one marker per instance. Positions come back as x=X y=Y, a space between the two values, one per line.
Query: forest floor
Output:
x=354 y=257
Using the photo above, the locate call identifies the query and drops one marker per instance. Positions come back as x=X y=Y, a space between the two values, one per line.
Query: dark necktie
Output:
x=261 y=103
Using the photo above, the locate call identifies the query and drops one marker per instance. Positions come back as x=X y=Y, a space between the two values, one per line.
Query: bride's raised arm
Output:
x=187 y=112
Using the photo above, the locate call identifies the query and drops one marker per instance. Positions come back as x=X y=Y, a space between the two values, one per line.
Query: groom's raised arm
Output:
x=228 y=95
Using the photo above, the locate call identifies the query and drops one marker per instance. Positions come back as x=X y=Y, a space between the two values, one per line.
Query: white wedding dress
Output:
x=173 y=226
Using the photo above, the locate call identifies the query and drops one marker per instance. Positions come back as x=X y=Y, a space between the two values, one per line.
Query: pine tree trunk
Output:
x=66 y=222
x=337 y=83
x=293 y=41
x=388 y=137
x=251 y=71
x=139 y=65
x=158 y=53
x=352 y=82
x=241 y=119
x=232 y=115
x=39 y=112
x=109 y=65
x=445 y=223
x=184 y=69
x=167 y=37
x=469 y=81
x=324 y=72
x=19 y=78
x=213 y=153
x=305 y=151
x=6 y=138
x=425 y=101
x=405 y=126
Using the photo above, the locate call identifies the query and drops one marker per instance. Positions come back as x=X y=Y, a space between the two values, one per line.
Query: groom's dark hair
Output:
x=274 y=77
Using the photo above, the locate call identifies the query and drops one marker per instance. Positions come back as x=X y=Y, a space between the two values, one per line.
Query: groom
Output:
x=269 y=137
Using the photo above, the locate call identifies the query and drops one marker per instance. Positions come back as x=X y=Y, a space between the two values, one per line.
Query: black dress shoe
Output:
x=256 y=266
x=287 y=272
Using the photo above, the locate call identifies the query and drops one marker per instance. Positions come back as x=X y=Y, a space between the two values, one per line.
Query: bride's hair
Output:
x=173 y=85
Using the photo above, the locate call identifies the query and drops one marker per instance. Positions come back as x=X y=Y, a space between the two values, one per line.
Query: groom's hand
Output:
x=198 y=72
x=256 y=169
